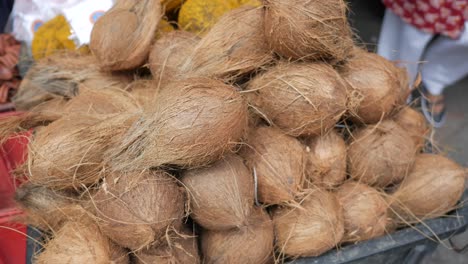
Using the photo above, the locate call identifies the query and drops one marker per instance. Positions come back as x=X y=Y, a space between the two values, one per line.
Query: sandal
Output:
x=435 y=118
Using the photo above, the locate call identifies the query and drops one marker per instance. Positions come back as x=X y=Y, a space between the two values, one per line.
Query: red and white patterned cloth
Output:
x=445 y=17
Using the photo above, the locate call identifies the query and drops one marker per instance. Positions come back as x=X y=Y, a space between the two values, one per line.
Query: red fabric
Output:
x=446 y=17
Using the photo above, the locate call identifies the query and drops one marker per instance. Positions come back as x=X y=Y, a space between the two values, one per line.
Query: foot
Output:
x=433 y=108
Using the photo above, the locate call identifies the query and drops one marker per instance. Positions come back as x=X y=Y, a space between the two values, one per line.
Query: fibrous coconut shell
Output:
x=381 y=154
x=136 y=209
x=414 y=123
x=300 y=98
x=221 y=195
x=194 y=122
x=278 y=162
x=144 y=92
x=326 y=160
x=311 y=229
x=365 y=211
x=432 y=188
x=308 y=30
x=251 y=244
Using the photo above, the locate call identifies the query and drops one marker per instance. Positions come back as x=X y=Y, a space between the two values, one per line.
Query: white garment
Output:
x=442 y=61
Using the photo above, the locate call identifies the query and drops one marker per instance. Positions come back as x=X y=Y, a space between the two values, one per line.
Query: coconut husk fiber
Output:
x=55 y=105
x=48 y=209
x=278 y=162
x=221 y=195
x=194 y=122
x=311 y=229
x=182 y=247
x=169 y=53
x=375 y=87
x=144 y=92
x=300 y=98
x=81 y=242
x=68 y=153
x=61 y=76
x=326 y=160
x=381 y=154
x=414 y=123
x=365 y=211
x=308 y=30
x=234 y=47
x=136 y=209
x=122 y=37
x=432 y=188
x=21 y=123
x=251 y=244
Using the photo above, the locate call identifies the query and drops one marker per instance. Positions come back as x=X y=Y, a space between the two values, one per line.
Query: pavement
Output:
x=451 y=139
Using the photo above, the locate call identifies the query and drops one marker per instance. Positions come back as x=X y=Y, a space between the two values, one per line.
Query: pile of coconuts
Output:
x=272 y=137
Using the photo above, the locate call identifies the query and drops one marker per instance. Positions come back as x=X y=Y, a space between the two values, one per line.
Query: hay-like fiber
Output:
x=181 y=248
x=69 y=152
x=55 y=105
x=136 y=209
x=121 y=38
x=326 y=160
x=375 y=87
x=144 y=92
x=300 y=98
x=81 y=242
x=365 y=211
x=222 y=195
x=193 y=123
x=312 y=228
x=381 y=154
x=279 y=164
x=234 y=47
x=414 y=123
x=169 y=53
x=61 y=75
x=308 y=30
x=11 y=125
x=251 y=244
x=431 y=189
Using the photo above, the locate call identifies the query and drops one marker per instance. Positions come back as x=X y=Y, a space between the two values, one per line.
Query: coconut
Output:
x=308 y=30
x=249 y=244
x=234 y=47
x=136 y=209
x=122 y=37
x=194 y=122
x=222 y=195
x=312 y=228
x=278 y=162
x=55 y=105
x=326 y=160
x=381 y=154
x=144 y=92
x=414 y=123
x=169 y=53
x=300 y=98
x=365 y=211
x=375 y=87
x=81 y=242
x=181 y=248
x=430 y=190
x=69 y=152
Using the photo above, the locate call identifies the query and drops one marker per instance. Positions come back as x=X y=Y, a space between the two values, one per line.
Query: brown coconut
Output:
x=326 y=160
x=221 y=195
x=69 y=152
x=300 y=98
x=365 y=211
x=251 y=244
x=121 y=38
x=169 y=53
x=414 y=123
x=81 y=242
x=432 y=188
x=311 y=229
x=194 y=122
x=278 y=161
x=308 y=30
x=375 y=87
x=182 y=247
x=381 y=154
x=136 y=209
x=233 y=47
x=144 y=92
